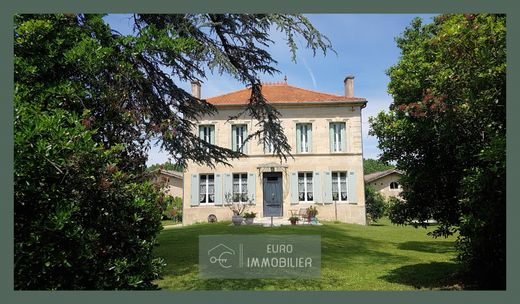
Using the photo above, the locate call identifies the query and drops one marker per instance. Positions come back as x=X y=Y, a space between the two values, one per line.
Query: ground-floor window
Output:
x=239 y=187
x=305 y=187
x=339 y=186
x=394 y=185
x=207 y=188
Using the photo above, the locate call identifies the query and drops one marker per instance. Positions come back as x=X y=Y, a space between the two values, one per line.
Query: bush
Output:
x=375 y=204
x=80 y=222
x=173 y=208
x=397 y=211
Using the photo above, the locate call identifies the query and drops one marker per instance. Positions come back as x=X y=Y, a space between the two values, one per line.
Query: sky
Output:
x=364 y=45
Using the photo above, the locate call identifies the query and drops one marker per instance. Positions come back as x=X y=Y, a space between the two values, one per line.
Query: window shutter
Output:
x=234 y=138
x=352 y=188
x=343 y=137
x=228 y=186
x=218 y=189
x=251 y=186
x=201 y=132
x=309 y=137
x=327 y=187
x=348 y=148
x=331 y=136
x=294 y=187
x=317 y=187
x=298 y=138
x=212 y=135
x=244 y=139
x=194 y=198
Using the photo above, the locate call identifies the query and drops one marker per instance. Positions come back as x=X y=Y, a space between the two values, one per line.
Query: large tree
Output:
x=88 y=101
x=446 y=128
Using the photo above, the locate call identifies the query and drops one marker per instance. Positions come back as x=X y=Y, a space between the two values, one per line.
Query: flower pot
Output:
x=293 y=222
x=237 y=220
x=249 y=221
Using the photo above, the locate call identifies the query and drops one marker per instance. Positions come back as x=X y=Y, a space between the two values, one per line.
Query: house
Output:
x=386 y=182
x=324 y=131
x=171 y=180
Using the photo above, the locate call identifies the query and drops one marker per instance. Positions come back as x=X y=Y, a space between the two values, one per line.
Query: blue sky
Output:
x=365 y=48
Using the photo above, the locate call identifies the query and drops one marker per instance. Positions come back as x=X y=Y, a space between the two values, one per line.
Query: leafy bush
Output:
x=375 y=204
x=80 y=222
x=397 y=211
x=173 y=208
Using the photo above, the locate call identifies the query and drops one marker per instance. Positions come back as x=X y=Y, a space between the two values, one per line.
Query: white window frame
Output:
x=269 y=148
x=306 y=176
x=241 y=177
x=240 y=130
x=339 y=186
x=207 y=194
x=206 y=130
x=336 y=126
x=304 y=140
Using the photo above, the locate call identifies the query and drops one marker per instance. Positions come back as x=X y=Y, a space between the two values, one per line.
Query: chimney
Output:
x=195 y=89
x=349 y=86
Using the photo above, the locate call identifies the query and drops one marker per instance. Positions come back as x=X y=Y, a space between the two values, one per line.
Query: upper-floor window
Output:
x=238 y=137
x=394 y=185
x=240 y=187
x=269 y=147
x=207 y=133
x=207 y=188
x=303 y=137
x=337 y=137
x=305 y=187
x=339 y=186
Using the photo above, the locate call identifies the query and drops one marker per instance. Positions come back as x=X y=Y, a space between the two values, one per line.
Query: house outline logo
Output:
x=222 y=256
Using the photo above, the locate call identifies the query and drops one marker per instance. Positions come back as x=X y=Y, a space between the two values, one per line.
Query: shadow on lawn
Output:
x=434 y=275
x=433 y=247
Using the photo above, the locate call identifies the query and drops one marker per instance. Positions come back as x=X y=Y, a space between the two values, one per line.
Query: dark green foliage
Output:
x=447 y=129
x=173 y=209
x=373 y=165
x=166 y=166
x=375 y=204
x=397 y=211
x=80 y=223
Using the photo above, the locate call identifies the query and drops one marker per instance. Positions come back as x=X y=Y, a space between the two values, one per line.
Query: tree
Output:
x=166 y=166
x=373 y=165
x=88 y=101
x=374 y=204
x=447 y=129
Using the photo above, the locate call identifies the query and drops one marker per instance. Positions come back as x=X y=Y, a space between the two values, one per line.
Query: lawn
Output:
x=378 y=257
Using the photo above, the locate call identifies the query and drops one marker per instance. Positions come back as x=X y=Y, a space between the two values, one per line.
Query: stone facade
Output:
x=171 y=181
x=384 y=185
x=319 y=161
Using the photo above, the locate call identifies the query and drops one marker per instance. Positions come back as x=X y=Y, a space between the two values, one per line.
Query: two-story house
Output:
x=324 y=131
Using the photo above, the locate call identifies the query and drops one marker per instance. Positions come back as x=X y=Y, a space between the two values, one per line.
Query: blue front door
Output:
x=273 y=200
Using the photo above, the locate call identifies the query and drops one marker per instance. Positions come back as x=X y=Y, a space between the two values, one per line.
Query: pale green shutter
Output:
x=228 y=186
x=298 y=138
x=251 y=186
x=352 y=188
x=234 y=138
x=317 y=187
x=194 y=185
x=294 y=187
x=218 y=189
x=327 y=187
x=343 y=137
x=244 y=139
x=201 y=132
x=347 y=143
x=309 y=137
x=331 y=136
x=212 y=135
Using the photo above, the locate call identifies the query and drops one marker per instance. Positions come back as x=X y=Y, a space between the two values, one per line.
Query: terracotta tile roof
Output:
x=377 y=175
x=280 y=92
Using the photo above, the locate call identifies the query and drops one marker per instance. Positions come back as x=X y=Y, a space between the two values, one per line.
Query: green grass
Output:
x=378 y=257
x=168 y=222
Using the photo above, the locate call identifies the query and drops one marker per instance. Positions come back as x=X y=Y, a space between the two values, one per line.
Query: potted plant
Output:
x=249 y=217
x=237 y=208
x=311 y=213
x=293 y=219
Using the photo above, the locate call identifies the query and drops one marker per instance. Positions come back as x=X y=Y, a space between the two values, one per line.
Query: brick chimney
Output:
x=195 y=89
x=349 y=86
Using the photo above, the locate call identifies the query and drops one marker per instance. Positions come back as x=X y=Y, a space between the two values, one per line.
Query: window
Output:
x=207 y=133
x=207 y=188
x=337 y=137
x=269 y=147
x=303 y=138
x=339 y=186
x=238 y=137
x=240 y=187
x=394 y=185
x=305 y=187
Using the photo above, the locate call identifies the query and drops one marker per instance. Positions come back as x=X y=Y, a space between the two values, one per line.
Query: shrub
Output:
x=375 y=204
